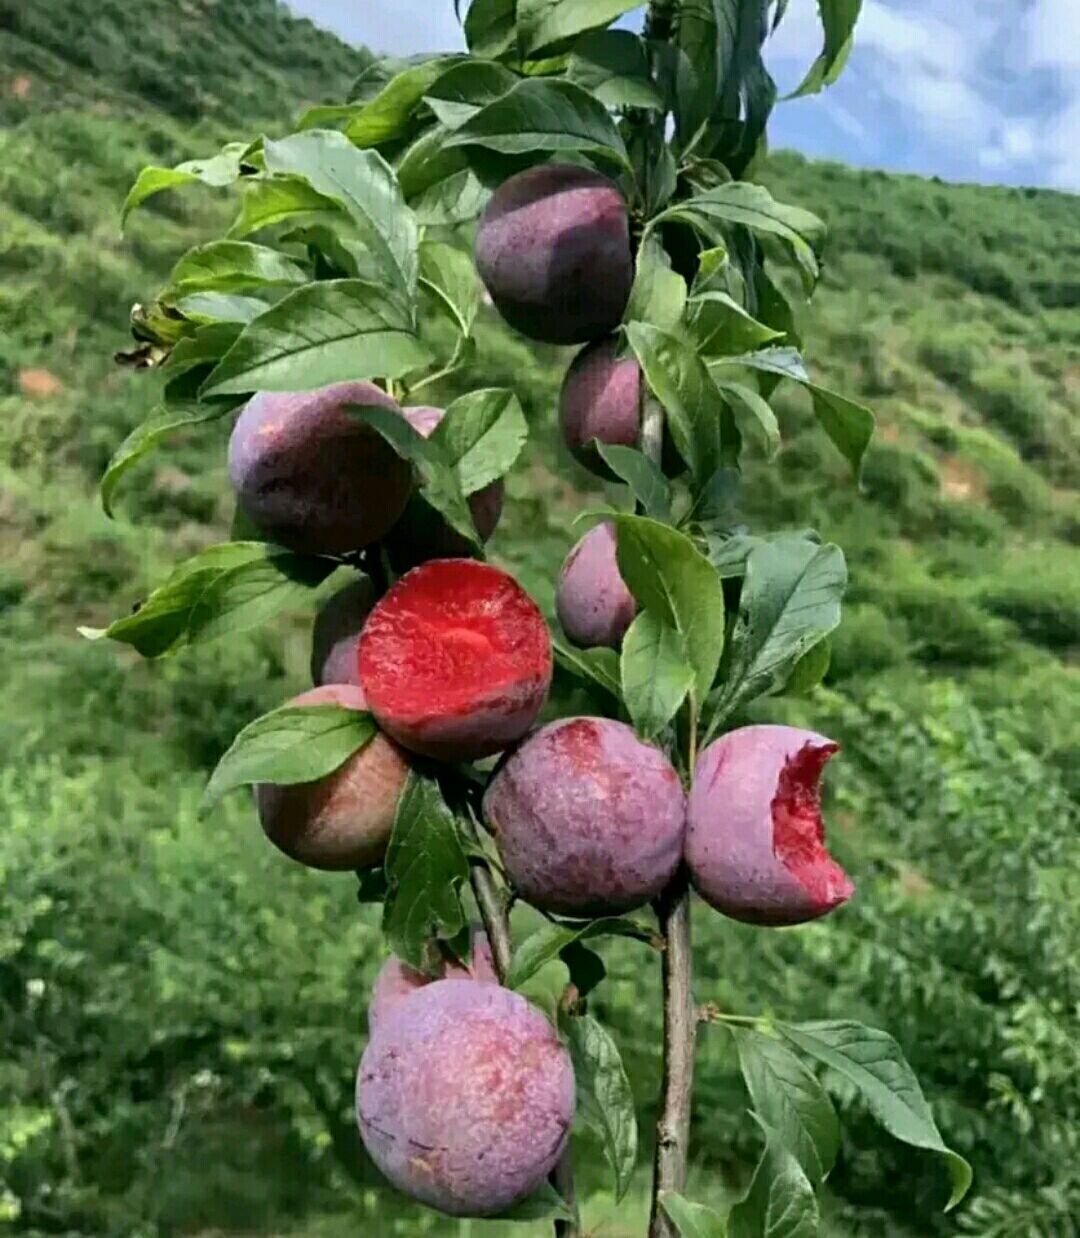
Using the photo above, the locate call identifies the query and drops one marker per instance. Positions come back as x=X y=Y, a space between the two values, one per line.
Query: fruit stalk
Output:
x=496 y=922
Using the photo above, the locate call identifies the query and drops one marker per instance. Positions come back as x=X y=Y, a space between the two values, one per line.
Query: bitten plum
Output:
x=592 y=601
x=313 y=478
x=553 y=249
x=342 y=821
x=755 y=841
x=456 y=660
x=336 y=635
x=422 y=534
x=589 y=820
x=398 y=981
x=601 y=399
x=465 y=1097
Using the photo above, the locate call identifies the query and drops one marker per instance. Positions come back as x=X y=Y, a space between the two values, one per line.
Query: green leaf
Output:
x=790 y=600
x=613 y=66
x=490 y=27
x=449 y=275
x=546 y=987
x=543 y=1204
x=596 y=666
x=754 y=414
x=788 y=1097
x=605 y=1100
x=669 y=576
x=547 y=943
x=693 y=1220
x=463 y=90
x=810 y=670
x=388 y=114
x=875 y=1064
x=720 y=325
x=276 y=199
x=699 y=419
x=231 y=266
x=328 y=332
x=210 y=308
x=364 y=185
x=658 y=296
x=781 y=1201
x=546 y=115
x=439 y=185
x=224 y=590
x=544 y=24
x=753 y=207
x=217 y=172
x=646 y=480
x=438 y=477
x=426 y=868
x=656 y=675
x=162 y=422
x=296 y=744
x=839 y=18
x=482 y=435
x=849 y=424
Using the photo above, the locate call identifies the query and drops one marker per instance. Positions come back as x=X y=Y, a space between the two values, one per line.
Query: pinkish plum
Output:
x=755 y=841
x=313 y=478
x=342 y=821
x=553 y=249
x=465 y=1097
x=589 y=820
x=336 y=636
x=592 y=601
x=601 y=399
x=398 y=981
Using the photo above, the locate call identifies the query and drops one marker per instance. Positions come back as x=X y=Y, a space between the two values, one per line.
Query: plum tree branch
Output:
x=672 y=1153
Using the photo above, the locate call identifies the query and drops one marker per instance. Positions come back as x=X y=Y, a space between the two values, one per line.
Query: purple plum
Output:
x=553 y=249
x=313 y=478
x=398 y=981
x=601 y=399
x=465 y=1097
x=589 y=820
x=342 y=821
x=335 y=640
x=592 y=601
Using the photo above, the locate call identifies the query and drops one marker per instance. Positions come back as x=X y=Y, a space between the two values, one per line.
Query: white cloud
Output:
x=1053 y=31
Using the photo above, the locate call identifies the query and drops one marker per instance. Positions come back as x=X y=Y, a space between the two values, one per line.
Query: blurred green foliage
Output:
x=181 y=1010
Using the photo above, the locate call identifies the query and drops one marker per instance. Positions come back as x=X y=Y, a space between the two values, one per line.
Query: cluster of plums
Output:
x=465 y=1095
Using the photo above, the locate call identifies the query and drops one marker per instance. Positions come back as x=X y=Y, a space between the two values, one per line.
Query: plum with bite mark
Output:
x=755 y=841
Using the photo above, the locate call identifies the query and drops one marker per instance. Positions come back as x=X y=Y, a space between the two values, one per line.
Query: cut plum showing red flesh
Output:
x=456 y=660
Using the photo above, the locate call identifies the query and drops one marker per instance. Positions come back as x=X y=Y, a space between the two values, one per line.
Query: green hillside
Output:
x=182 y=1010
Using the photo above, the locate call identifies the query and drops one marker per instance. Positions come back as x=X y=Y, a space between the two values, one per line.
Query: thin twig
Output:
x=496 y=921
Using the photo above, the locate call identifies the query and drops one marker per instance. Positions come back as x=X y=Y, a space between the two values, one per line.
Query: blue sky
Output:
x=985 y=90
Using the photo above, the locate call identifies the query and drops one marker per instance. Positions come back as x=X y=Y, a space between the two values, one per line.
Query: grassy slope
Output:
x=952 y=310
